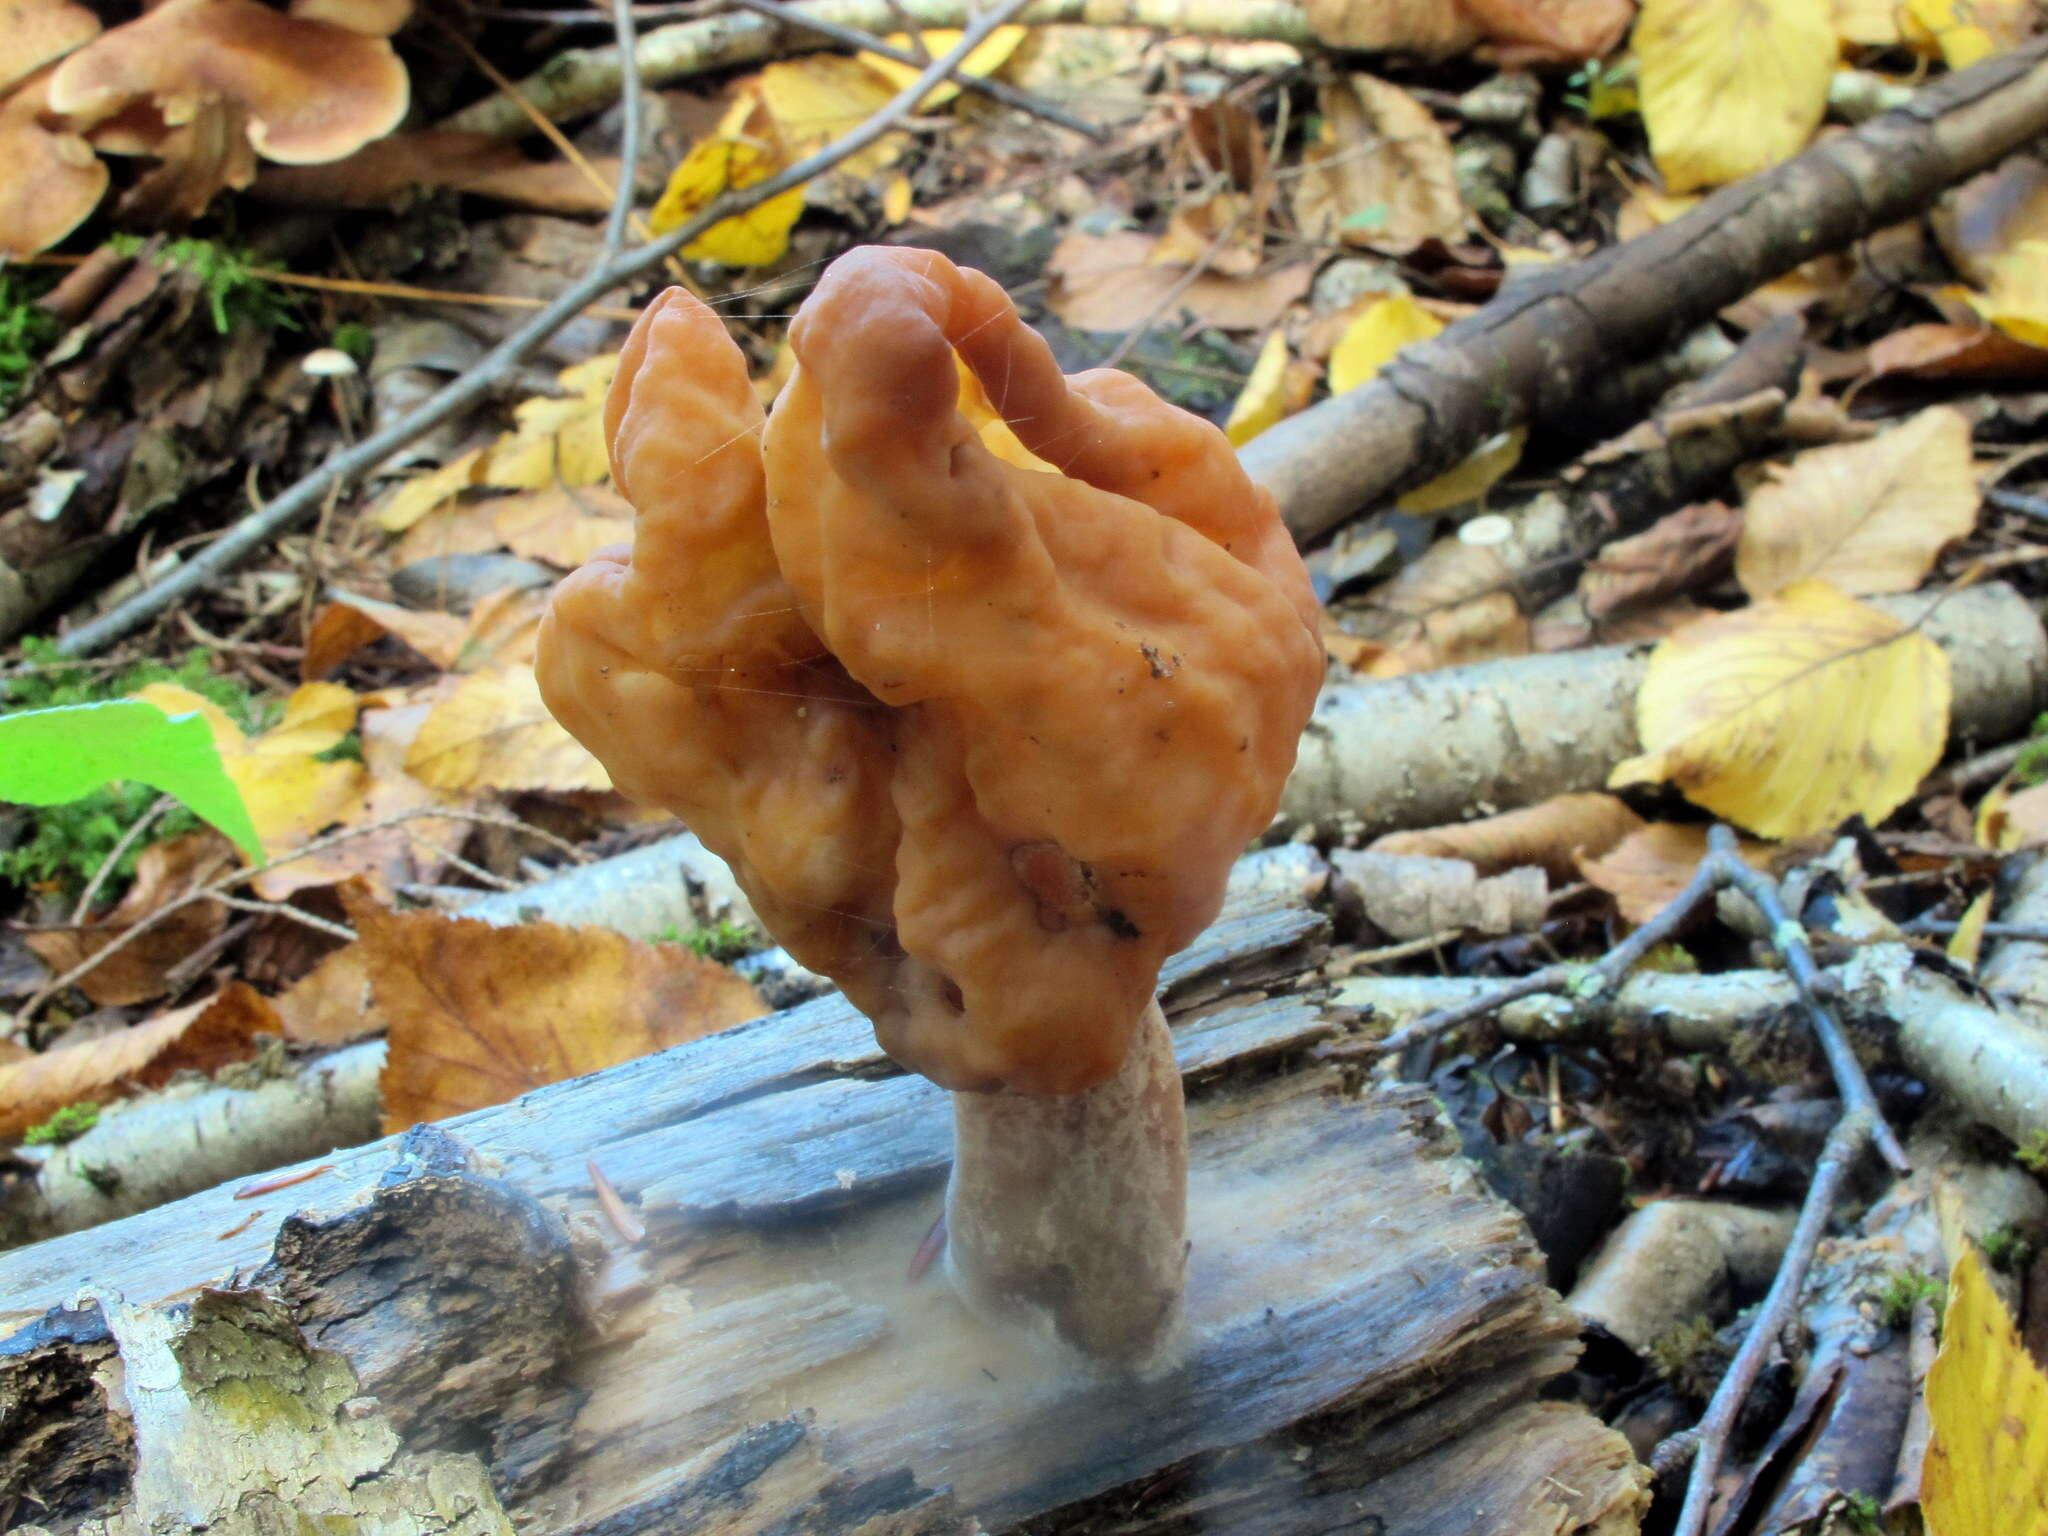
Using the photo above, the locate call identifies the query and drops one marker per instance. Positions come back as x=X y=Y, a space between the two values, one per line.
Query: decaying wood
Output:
x=1438 y=747
x=1369 y=1329
x=1527 y=356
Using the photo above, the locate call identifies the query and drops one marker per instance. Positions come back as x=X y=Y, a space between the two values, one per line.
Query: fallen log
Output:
x=1445 y=746
x=741 y=1351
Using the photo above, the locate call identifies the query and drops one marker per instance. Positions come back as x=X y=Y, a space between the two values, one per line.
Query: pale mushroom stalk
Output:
x=1067 y=1213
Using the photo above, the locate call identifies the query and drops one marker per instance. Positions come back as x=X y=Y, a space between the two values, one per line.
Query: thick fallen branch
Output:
x=1530 y=355
x=1438 y=747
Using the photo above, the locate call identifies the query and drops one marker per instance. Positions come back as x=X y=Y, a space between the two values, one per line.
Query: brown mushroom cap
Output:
x=313 y=92
x=53 y=179
x=372 y=18
x=1059 y=704
x=38 y=32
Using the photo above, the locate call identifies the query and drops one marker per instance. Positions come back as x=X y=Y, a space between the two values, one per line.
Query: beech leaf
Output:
x=1987 y=1455
x=493 y=732
x=479 y=1015
x=1794 y=713
x=1863 y=517
x=1731 y=88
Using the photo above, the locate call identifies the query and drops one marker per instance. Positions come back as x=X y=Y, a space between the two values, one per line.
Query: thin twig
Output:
x=1838 y=1158
x=854 y=37
x=1788 y=937
x=300 y=499
x=285 y=909
x=143 y=823
x=629 y=131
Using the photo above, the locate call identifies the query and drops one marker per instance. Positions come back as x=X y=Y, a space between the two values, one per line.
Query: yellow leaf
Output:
x=751 y=239
x=1263 y=400
x=1370 y=342
x=1968 y=939
x=995 y=432
x=557 y=441
x=1731 y=87
x=1986 y=1472
x=2010 y=818
x=1967 y=32
x=423 y=493
x=897 y=199
x=1863 y=517
x=1794 y=713
x=1471 y=479
x=493 y=732
x=984 y=59
x=2018 y=301
x=292 y=796
x=810 y=101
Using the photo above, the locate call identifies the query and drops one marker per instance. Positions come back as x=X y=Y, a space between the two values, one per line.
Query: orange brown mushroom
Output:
x=980 y=741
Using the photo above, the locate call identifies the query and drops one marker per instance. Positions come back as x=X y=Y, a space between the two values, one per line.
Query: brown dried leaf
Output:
x=1863 y=517
x=1689 y=547
x=1381 y=174
x=1565 y=624
x=480 y=1015
x=1108 y=283
x=140 y=971
x=493 y=732
x=1552 y=836
x=1941 y=351
x=202 y=1037
x=1989 y=216
x=436 y=636
x=331 y=1004
x=563 y=527
x=337 y=632
x=1648 y=867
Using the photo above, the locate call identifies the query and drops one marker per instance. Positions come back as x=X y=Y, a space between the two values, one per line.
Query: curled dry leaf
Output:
x=1109 y=282
x=1990 y=215
x=1566 y=626
x=2009 y=819
x=1863 y=517
x=1687 y=548
x=479 y=1015
x=202 y=1037
x=1552 y=836
x=139 y=971
x=1528 y=32
x=1729 y=90
x=1987 y=1456
x=1651 y=865
x=1478 y=629
x=493 y=732
x=1793 y=714
x=1380 y=174
x=352 y=621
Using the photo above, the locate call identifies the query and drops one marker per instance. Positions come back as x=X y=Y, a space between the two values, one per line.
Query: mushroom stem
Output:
x=1068 y=1214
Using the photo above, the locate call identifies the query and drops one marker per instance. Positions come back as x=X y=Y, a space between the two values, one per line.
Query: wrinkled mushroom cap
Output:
x=312 y=91
x=981 y=742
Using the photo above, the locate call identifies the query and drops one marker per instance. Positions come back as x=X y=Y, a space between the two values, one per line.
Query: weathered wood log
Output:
x=1369 y=1332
